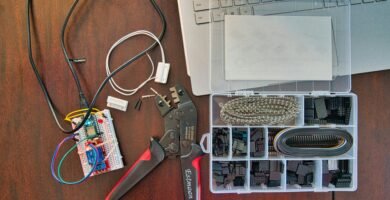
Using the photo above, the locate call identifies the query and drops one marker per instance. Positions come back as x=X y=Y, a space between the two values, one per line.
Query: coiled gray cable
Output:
x=258 y=110
x=309 y=142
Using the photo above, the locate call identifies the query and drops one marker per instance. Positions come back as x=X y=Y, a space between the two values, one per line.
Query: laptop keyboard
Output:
x=207 y=11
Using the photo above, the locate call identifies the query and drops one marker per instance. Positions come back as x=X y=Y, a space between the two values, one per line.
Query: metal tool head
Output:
x=163 y=105
x=180 y=122
x=170 y=140
x=186 y=115
x=179 y=95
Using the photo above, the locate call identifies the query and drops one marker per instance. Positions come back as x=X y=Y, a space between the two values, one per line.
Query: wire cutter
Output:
x=178 y=140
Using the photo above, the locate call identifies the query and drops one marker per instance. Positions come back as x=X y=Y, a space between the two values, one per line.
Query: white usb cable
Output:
x=162 y=68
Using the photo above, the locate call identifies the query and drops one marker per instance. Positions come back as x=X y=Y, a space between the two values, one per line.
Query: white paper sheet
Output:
x=278 y=48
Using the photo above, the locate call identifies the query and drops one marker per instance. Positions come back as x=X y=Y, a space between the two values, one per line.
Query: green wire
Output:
x=66 y=155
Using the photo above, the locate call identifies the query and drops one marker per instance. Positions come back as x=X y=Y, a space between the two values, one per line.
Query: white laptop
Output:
x=370 y=28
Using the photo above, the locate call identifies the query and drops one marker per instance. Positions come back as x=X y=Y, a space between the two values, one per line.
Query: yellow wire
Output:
x=78 y=113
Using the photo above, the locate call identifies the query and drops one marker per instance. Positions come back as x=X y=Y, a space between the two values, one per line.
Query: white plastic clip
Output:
x=116 y=103
x=206 y=137
x=162 y=72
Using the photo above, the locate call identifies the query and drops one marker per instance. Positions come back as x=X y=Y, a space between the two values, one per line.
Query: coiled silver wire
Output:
x=258 y=110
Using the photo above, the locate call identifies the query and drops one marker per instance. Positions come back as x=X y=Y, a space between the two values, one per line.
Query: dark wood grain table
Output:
x=28 y=134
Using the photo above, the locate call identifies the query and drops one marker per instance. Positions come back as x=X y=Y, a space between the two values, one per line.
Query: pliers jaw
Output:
x=163 y=105
x=179 y=95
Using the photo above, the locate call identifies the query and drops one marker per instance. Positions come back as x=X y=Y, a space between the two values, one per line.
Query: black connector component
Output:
x=229 y=174
x=221 y=142
x=328 y=110
x=239 y=141
x=257 y=142
x=336 y=174
x=83 y=101
x=266 y=173
x=300 y=173
x=78 y=60
x=138 y=104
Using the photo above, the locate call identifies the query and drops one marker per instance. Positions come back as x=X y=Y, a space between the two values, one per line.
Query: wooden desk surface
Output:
x=28 y=134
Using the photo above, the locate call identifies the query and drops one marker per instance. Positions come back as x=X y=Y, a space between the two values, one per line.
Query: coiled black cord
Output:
x=102 y=85
x=83 y=100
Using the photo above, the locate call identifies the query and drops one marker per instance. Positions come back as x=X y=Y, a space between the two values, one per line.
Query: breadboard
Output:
x=105 y=140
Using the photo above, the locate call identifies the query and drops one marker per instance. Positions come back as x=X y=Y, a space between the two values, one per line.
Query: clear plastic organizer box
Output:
x=267 y=153
x=256 y=158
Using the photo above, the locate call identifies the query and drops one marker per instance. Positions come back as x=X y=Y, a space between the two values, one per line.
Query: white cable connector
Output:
x=116 y=103
x=162 y=69
x=162 y=73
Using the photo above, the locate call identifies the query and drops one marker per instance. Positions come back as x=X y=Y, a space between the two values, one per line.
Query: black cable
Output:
x=333 y=195
x=83 y=100
x=113 y=73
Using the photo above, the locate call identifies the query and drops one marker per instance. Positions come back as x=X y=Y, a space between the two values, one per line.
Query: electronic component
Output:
x=320 y=108
x=336 y=173
x=90 y=127
x=117 y=103
x=138 y=104
x=221 y=142
x=328 y=110
x=98 y=131
x=101 y=163
x=257 y=143
x=229 y=174
x=266 y=173
x=162 y=72
x=239 y=142
x=300 y=173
